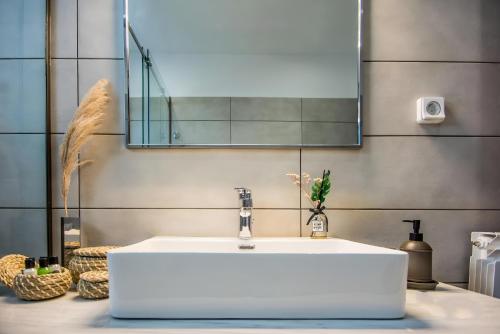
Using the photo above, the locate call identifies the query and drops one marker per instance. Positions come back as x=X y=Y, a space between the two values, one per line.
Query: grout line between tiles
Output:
x=48 y=127
x=256 y=121
x=22 y=133
x=260 y=208
x=367 y=136
x=61 y=208
x=364 y=136
x=21 y=58
x=230 y=120
x=437 y=136
x=23 y=208
x=405 y=209
x=300 y=192
x=301 y=128
x=87 y=58
x=78 y=91
x=179 y=208
x=77 y=31
x=300 y=163
x=433 y=61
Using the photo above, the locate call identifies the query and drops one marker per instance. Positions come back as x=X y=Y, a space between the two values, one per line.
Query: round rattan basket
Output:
x=69 y=247
x=81 y=264
x=88 y=259
x=43 y=286
x=10 y=266
x=93 y=285
x=100 y=251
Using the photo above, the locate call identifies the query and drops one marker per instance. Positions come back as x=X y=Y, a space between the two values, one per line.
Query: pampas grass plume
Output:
x=87 y=119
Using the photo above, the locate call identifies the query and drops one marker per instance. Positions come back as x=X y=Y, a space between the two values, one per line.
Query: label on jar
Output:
x=318 y=225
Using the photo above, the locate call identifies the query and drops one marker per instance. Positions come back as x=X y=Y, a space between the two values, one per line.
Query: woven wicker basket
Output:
x=42 y=287
x=81 y=264
x=88 y=259
x=10 y=266
x=93 y=285
x=100 y=251
x=69 y=247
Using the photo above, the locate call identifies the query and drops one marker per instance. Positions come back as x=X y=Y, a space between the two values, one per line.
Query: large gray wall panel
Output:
x=100 y=31
x=23 y=231
x=472 y=101
x=64 y=28
x=22 y=95
x=413 y=172
x=22 y=33
x=432 y=30
x=22 y=172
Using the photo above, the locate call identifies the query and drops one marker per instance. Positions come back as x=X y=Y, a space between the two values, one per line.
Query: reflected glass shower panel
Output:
x=136 y=92
x=149 y=106
x=159 y=129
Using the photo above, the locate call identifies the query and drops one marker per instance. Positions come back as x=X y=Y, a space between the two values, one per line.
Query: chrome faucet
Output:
x=245 y=196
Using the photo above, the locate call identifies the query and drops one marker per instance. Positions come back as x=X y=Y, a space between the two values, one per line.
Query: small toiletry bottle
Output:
x=29 y=267
x=43 y=266
x=54 y=266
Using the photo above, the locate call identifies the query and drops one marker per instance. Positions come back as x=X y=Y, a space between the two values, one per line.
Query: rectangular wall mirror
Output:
x=243 y=73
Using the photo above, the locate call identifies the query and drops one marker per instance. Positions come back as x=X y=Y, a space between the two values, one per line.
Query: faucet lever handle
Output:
x=245 y=196
x=244 y=192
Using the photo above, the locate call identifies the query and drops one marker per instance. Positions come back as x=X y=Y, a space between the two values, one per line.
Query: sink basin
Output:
x=296 y=278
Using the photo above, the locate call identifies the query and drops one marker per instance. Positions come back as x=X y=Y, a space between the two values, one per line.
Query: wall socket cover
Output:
x=430 y=110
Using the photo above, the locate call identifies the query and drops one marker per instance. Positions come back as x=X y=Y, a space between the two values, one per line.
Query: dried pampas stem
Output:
x=87 y=119
x=302 y=183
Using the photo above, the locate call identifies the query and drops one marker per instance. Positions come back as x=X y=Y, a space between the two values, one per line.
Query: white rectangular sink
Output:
x=299 y=278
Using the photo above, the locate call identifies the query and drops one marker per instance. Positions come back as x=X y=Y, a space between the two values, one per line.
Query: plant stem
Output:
x=320 y=194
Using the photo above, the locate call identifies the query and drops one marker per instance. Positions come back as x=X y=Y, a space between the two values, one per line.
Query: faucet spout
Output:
x=245 y=196
x=245 y=232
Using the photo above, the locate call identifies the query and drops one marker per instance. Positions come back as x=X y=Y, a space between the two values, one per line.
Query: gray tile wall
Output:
x=245 y=120
x=22 y=128
x=446 y=175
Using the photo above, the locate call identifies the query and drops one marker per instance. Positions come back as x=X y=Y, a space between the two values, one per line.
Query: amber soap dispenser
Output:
x=419 y=259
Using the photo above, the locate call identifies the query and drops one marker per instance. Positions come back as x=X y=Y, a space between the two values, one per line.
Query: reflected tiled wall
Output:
x=445 y=175
x=244 y=120
x=22 y=128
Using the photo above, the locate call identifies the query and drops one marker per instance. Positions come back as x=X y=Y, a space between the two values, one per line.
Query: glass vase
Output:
x=319 y=224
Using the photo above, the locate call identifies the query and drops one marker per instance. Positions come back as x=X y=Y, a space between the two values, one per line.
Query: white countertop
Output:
x=446 y=310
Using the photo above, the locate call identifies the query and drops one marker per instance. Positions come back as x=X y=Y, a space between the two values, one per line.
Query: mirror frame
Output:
x=357 y=145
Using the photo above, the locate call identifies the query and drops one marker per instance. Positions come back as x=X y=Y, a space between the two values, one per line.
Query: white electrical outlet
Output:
x=430 y=110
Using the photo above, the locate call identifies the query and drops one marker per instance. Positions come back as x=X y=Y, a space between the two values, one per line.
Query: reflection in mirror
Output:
x=243 y=73
x=70 y=238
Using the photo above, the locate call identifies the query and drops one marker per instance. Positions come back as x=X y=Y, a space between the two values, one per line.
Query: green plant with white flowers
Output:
x=320 y=188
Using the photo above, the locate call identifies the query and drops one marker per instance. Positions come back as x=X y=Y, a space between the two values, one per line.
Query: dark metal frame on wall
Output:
x=358 y=145
x=48 y=126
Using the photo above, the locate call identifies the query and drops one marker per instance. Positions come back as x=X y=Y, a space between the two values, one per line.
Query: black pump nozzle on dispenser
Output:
x=416 y=235
x=420 y=259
